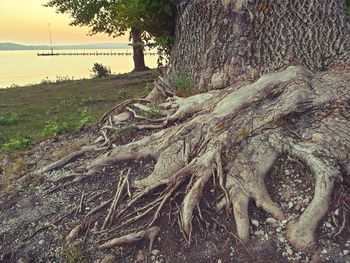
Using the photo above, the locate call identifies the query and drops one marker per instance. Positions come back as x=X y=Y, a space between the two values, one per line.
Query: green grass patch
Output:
x=183 y=84
x=33 y=113
x=9 y=119
x=19 y=143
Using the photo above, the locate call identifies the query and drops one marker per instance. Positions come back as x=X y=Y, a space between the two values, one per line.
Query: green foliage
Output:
x=2 y=138
x=6 y=120
x=100 y=70
x=348 y=7
x=16 y=144
x=154 y=112
x=54 y=128
x=183 y=84
x=115 y=17
x=85 y=118
x=164 y=42
x=152 y=16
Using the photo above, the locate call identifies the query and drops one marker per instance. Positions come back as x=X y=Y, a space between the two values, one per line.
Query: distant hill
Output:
x=14 y=46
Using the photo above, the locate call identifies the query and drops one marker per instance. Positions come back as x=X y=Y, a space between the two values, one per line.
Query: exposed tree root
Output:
x=69 y=158
x=150 y=234
x=234 y=135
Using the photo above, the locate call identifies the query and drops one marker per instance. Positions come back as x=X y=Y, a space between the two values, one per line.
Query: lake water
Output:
x=25 y=67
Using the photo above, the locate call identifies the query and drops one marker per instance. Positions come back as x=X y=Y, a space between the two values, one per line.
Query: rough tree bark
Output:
x=137 y=46
x=222 y=41
x=274 y=80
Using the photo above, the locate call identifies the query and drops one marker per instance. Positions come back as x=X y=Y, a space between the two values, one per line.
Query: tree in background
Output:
x=149 y=21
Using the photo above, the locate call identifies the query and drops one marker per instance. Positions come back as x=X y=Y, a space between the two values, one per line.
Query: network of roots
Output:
x=228 y=139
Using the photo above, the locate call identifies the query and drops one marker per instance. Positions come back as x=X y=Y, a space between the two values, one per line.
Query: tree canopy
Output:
x=115 y=17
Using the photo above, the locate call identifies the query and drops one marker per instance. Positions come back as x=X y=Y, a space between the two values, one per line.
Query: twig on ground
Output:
x=80 y=208
x=121 y=185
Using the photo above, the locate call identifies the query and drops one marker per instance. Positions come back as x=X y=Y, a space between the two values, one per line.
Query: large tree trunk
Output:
x=220 y=42
x=137 y=46
x=274 y=77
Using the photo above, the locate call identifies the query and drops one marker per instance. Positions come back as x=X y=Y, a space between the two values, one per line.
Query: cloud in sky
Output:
x=26 y=22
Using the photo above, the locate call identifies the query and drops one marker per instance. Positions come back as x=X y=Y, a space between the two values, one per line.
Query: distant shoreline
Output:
x=16 y=47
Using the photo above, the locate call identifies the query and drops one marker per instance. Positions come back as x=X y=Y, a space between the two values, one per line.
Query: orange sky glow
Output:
x=26 y=22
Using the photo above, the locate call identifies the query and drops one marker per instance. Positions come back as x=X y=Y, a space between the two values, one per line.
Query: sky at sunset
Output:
x=26 y=22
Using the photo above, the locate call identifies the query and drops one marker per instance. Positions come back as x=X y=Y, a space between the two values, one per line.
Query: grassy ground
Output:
x=31 y=114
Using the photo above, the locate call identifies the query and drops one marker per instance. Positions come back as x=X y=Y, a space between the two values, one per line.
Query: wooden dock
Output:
x=96 y=53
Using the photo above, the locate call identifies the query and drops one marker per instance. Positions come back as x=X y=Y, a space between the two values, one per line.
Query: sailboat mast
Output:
x=50 y=39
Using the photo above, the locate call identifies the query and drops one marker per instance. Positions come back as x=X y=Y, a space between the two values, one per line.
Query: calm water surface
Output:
x=25 y=67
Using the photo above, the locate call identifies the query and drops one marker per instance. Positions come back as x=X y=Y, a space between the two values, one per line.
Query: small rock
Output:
x=297 y=207
x=282 y=239
x=278 y=229
x=271 y=221
x=219 y=261
x=255 y=222
x=155 y=252
x=287 y=172
x=324 y=251
x=346 y=252
x=284 y=222
x=297 y=258
x=328 y=225
x=289 y=251
x=42 y=242
x=306 y=200
x=336 y=212
x=290 y=205
x=140 y=256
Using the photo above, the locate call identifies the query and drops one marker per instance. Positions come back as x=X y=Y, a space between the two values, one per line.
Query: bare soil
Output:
x=33 y=225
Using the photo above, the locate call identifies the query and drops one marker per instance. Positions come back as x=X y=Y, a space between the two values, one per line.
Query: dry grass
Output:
x=9 y=175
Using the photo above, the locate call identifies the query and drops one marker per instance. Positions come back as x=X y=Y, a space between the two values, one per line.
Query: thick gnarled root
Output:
x=201 y=173
x=245 y=181
x=301 y=233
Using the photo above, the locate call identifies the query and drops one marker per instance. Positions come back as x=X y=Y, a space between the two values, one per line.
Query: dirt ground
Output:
x=34 y=224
